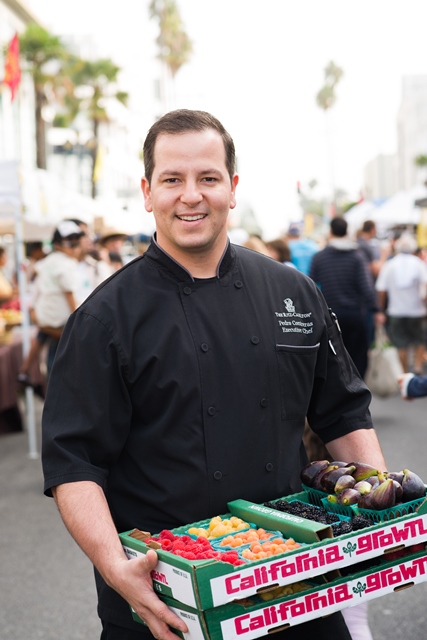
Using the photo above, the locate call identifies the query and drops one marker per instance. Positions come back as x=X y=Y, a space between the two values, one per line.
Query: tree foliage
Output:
x=175 y=46
x=326 y=97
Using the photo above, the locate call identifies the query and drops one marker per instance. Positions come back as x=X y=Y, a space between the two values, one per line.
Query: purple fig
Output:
x=373 y=481
x=363 y=486
x=363 y=471
x=339 y=463
x=396 y=475
x=398 y=489
x=310 y=471
x=317 y=479
x=412 y=485
x=383 y=496
x=348 y=497
x=365 y=501
x=329 y=479
x=344 y=482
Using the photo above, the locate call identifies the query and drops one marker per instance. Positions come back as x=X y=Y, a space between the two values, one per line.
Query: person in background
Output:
x=402 y=286
x=342 y=275
x=91 y=271
x=366 y=240
x=302 y=249
x=177 y=373
x=412 y=386
x=116 y=260
x=7 y=291
x=256 y=244
x=279 y=250
x=55 y=297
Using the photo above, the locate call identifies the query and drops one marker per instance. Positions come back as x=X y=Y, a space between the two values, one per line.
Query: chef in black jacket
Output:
x=184 y=381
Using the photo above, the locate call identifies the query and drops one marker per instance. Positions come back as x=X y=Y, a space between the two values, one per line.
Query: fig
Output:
x=317 y=479
x=344 y=482
x=396 y=475
x=373 y=481
x=339 y=463
x=398 y=489
x=363 y=471
x=310 y=471
x=363 y=486
x=329 y=479
x=348 y=497
x=412 y=485
x=383 y=496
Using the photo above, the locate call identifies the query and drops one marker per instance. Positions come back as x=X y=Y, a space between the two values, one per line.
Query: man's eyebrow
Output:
x=174 y=173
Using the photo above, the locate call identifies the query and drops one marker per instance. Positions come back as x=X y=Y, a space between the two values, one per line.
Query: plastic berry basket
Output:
x=315 y=496
x=340 y=509
x=403 y=509
x=216 y=542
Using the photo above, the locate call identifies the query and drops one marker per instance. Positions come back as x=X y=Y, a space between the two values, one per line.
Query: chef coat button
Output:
x=269 y=466
x=211 y=411
x=187 y=291
x=204 y=347
x=255 y=340
x=263 y=402
x=238 y=284
x=217 y=475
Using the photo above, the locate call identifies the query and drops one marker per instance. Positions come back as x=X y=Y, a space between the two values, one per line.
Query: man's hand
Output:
x=133 y=582
x=85 y=511
x=402 y=381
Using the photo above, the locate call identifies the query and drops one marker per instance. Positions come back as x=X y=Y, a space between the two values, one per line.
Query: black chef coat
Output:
x=177 y=395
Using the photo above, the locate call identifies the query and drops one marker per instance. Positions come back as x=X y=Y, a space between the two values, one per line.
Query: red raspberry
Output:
x=165 y=534
x=188 y=555
x=166 y=544
x=186 y=539
x=178 y=544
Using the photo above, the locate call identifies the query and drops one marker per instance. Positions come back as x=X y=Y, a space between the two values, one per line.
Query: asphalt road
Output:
x=46 y=583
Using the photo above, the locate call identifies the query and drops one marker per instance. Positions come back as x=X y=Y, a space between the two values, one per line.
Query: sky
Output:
x=258 y=66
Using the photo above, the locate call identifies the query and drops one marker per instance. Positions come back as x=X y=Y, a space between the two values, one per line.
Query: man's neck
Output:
x=200 y=264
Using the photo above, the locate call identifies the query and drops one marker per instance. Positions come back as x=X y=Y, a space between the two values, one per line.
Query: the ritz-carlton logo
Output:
x=290 y=308
x=291 y=321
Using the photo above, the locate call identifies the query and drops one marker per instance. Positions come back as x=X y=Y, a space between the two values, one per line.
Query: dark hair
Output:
x=115 y=257
x=368 y=225
x=2 y=252
x=338 y=227
x=282 y=249
x=184 y=121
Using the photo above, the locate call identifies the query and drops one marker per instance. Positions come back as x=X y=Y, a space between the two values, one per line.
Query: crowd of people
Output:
x=192 y=346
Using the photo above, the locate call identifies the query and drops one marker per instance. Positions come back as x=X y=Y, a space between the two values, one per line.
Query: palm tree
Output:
x=38 y=48
x=98 y=78
x=326 y=99
x=175 y=47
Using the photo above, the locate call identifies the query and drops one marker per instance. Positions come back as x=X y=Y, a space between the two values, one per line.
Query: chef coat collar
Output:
x=161 y=257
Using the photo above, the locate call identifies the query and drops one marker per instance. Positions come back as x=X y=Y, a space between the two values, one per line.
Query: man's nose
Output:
x=191 y=193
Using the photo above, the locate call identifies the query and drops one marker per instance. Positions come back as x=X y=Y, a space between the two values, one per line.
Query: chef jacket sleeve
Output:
x=340 y=399
x=87 y=412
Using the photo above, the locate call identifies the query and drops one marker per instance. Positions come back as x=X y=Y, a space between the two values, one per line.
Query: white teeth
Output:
x=191 y=218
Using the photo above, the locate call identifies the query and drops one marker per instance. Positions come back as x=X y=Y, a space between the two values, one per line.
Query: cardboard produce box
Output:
x=253 y=618
x=205 y=584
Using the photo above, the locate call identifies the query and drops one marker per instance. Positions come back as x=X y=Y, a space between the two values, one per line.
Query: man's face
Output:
x=190 y=193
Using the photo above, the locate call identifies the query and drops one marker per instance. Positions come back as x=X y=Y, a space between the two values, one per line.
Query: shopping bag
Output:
x=384 y=366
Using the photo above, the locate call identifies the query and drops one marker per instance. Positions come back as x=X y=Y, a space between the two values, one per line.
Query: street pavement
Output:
x=46 y=583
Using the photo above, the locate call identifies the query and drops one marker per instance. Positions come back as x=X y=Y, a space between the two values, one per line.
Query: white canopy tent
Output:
x=400 y=209
x=357 y=215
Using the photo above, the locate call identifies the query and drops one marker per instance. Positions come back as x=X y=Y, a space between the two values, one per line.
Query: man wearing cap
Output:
x=55 y=289
x=184 y=381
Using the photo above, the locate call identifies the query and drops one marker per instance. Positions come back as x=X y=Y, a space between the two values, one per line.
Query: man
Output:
x=341 y=273
x=178 y=394
x=402 y=285
x=369 y=249
x=302 y=249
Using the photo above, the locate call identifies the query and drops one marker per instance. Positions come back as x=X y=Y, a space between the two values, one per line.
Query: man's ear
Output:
x=145 y=186
x=234 y=183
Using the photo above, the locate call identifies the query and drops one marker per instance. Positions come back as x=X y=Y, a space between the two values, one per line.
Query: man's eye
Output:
x=171 y=180
x=209 y=179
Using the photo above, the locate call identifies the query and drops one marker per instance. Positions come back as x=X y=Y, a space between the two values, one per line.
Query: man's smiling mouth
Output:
x=193 y=218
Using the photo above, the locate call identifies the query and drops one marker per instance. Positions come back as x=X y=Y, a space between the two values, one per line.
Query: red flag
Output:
x=12 y=70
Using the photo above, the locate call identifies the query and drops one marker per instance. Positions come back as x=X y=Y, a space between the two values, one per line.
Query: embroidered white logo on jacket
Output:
x=290 y=321
x=289 y=305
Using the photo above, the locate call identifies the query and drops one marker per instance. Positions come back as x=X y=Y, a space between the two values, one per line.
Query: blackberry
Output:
x=360 y=522
x=341 y=528
x=303 y=510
